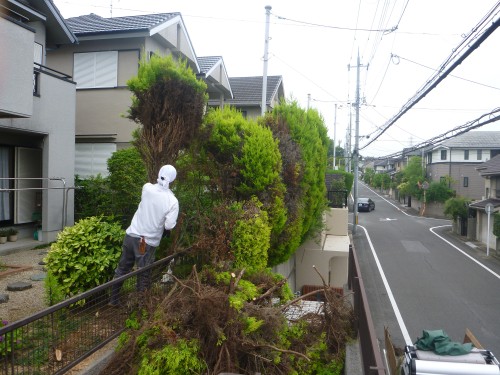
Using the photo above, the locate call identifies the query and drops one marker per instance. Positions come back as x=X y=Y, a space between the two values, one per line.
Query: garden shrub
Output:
x=127 y=175
x=92 y=197
x=84 y=255
x=456 y=208
x=251 y=236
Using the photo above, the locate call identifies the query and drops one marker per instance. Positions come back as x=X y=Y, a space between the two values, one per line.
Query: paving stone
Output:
x=4 y=298
x=38 y=277
x=19 y=286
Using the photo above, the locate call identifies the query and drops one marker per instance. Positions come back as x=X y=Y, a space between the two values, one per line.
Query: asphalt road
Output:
x=418 y=275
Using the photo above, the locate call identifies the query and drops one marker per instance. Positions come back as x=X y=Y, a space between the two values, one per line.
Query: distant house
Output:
x=490 y=173
x=247 y=94
x=459 y=157
x=37 y=120
x=384 y=165
x=106 y=57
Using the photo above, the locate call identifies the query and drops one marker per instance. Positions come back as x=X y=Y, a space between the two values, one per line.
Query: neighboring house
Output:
x=490 y=173
x=37 y=120
x=106 y=57
x=247 y=94
x=384 y=165
x=214 y=73
x=459 y=157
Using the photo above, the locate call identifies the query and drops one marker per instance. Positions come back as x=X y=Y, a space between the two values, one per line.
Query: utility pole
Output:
x=356 y=152
x=334 y=135
x=266 y=58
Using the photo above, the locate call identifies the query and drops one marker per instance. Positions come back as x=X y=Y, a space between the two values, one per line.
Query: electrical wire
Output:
x=442 y=73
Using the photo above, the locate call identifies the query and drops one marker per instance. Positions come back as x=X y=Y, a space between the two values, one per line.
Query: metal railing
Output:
x=370 y=351
x=58 y=338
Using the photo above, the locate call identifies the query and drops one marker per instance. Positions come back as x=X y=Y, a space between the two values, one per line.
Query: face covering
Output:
x=166 y=175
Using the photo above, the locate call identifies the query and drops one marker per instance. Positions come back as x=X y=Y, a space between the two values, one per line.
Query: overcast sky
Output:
x=314 y=46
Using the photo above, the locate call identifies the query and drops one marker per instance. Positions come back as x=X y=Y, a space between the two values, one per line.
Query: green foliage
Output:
x=438 y=192
x=496 y=224
x=53 y=290
x=456 y=208
x=180 y=359
x=381 y=181
x=368 y=176
x=168 y=102
x=412 y=178
x=84 y=255
x=348 y=178
x=10 y=341
x=245 y=290
x=252 y=324
x=260 y=160
x=127 y=175
x=308 y=131
x=93 y=197
x=251 y=238
x=160 y=68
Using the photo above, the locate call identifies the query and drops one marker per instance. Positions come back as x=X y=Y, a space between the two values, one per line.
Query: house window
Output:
x=96 y=69
x=91 y=158
x=38 y=54
x=479 y=154
x=429 y=158
x=466 y=181
x=466 y=154
x=443 y=154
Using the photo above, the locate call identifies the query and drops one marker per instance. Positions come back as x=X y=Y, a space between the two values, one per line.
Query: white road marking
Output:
x=463 y=252
x=399 y=318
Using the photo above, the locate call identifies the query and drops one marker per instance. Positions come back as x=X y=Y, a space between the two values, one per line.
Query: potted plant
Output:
x=12 y=234
x=3 y=235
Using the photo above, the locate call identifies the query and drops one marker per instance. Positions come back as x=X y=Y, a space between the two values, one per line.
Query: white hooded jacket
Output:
x=158 y=209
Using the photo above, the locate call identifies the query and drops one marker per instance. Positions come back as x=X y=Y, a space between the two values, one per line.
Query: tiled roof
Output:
x=94 y=24
x=490 y=167
x=248 y=90
x=475 y=139
x=481 y=205
x=207 y=62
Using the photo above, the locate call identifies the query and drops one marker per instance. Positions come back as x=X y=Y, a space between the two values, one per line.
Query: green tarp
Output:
x=439 y=342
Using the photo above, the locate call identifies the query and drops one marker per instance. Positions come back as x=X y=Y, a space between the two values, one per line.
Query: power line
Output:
x=332 y=27
x=491 y=117
x=442 y=74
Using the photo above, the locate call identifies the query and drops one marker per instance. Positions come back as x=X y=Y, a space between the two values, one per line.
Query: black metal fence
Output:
x=370 y=351
x=61 y=336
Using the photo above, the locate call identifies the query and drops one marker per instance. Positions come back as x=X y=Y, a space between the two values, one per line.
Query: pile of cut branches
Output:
x=214 y=322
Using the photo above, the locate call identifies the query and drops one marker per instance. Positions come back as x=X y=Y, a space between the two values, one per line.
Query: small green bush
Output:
x=84 y=255
x=181 y=359
x=456 y=208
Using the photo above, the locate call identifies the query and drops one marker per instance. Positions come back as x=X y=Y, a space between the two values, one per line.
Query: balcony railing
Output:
x=38 y=69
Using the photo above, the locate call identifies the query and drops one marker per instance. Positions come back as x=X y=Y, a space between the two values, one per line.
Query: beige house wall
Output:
x=16 y=69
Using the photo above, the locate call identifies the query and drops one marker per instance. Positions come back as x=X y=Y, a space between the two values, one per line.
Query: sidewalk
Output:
x=20 y=245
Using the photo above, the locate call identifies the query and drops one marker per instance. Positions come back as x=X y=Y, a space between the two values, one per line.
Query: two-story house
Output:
x=490 y=173
x=37 y=120
x=106 y=57
x=458 y=158
x=247 y=94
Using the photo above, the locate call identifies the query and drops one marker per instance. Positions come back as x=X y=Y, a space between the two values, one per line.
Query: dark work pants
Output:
x=130 y=257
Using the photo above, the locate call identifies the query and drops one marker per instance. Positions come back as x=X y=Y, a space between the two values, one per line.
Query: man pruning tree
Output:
x=157 y=212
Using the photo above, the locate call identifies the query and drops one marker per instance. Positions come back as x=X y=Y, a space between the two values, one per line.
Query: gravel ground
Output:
x=26 y=302
x=30 y=301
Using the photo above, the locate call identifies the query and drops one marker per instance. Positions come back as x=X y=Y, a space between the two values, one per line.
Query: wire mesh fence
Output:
x=58 y=338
